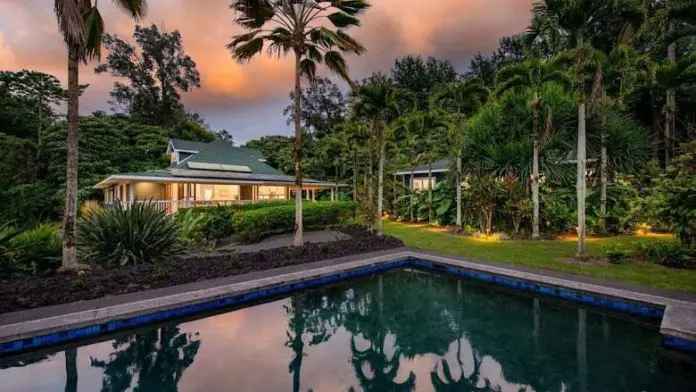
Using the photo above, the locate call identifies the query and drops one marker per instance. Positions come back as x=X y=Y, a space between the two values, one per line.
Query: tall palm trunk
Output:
x=370 y=179
x=70 y=211
x=355 y=175
x=393 y=204
x=298 y=240
x=71 y=370
x=430 y=192
x=603 y=163
x=671 y=102
x=535 y=170
x=581 y=191
x=413 y=191
x=380 y=180
x=39 y=131
x=459 y=190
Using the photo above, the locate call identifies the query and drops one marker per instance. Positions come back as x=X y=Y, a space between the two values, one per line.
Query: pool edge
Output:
x=677 y=328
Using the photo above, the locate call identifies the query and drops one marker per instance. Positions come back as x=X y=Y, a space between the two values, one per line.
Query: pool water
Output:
x=399 y=331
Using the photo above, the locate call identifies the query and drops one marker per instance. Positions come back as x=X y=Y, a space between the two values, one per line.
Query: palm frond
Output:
x=308 y=69
x=351 y=7
x=247 y=50
x=70 y=22
x=136 y=8
x=337 y=64
x=341 y=20
x=94 y=31
x=253 y=14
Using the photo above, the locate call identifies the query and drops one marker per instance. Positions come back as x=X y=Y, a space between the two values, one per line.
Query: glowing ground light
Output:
x=496 y=237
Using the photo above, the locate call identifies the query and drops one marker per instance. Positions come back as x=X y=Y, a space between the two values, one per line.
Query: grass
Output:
x=546 y=255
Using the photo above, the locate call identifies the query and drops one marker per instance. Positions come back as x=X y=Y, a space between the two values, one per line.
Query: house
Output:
x=199 y=174
x=416 y=178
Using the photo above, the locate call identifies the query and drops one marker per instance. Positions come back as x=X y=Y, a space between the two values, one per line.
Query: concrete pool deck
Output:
x=37 y=328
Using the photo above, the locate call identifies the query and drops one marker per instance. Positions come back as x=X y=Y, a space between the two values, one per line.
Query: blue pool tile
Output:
x=79 y=333
x=679 y=344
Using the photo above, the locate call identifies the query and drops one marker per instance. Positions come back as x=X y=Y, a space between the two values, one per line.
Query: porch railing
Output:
x=172 y=206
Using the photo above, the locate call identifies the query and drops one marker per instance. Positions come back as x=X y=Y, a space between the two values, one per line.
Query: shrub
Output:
x=558 y=212
x=191 y=230
x=669 y=255
x=679 y=187
x=9 y=266
x=616 y=254
x=40 y=248
x=30 y=252
x=217 y=222
x=254 y=225
x=119 y=236
x=89 y=208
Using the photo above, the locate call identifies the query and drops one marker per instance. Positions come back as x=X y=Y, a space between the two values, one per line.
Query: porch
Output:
x=173 y=196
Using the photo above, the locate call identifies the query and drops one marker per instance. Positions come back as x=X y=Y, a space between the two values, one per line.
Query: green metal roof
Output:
x=219 y=152
x=188 y=145
x=438 y=166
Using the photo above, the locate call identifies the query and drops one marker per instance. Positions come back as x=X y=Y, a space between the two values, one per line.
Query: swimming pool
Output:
x=396 y=331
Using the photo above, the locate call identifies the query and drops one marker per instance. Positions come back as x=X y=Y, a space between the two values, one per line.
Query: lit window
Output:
x=421 y=183
x=271 y=192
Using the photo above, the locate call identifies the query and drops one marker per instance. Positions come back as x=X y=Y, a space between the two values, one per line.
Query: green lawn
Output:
x=545 y=254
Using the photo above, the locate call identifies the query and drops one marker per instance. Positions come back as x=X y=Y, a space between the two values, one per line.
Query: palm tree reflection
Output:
x=158 y=357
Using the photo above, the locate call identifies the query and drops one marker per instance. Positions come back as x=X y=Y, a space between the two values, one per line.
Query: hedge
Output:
x=252 y=226
x=218 y=223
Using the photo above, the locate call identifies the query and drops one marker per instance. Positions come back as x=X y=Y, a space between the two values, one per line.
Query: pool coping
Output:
x=38 y=328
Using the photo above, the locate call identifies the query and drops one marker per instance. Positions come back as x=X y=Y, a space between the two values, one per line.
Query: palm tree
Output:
x=428 y=125
x=533 y=74
x=573 y=19
x=380 y=104
x=462 y=99
x=681 y=23
x=355 y=133
x=297 y=26
x=409 y=132
x=81 y=26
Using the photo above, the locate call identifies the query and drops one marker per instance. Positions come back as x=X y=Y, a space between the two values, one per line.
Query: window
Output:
x=421 y=183
x=271 y=192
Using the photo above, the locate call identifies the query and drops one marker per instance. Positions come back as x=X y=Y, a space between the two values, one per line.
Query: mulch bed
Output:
x=34 y=292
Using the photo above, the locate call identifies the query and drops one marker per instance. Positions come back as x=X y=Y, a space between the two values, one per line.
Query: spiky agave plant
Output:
x=124 y=236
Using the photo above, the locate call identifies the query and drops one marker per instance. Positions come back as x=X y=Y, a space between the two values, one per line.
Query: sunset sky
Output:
x=248 y=99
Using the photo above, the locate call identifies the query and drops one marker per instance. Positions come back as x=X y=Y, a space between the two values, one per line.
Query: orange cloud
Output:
x=7 y=56
x=449 y=29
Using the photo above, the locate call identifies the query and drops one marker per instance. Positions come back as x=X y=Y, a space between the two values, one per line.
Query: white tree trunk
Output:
x=411 y=195
x=671 y=101
x=380 y=182
x=430 y=192
x=459 y=191
x=298 y=240
x=581 y=254
x=535 y=190
x=603 y=161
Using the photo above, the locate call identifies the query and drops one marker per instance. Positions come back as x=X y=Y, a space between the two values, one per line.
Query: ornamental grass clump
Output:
x=119 y=236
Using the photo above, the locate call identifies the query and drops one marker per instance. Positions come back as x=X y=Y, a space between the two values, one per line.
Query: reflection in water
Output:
x=401 y=331
x=158 y=358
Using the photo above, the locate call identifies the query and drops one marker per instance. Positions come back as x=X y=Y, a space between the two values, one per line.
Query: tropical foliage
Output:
x=549 y=134
x=118 y=236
